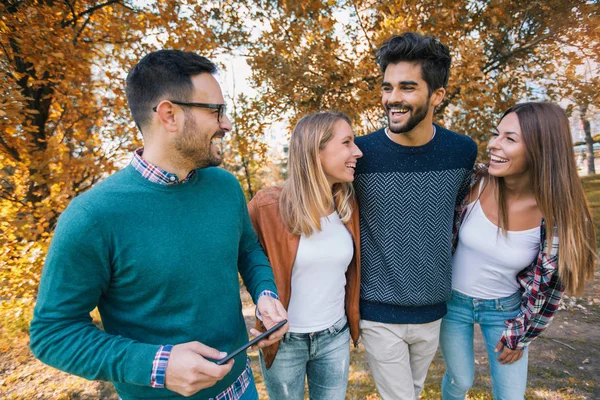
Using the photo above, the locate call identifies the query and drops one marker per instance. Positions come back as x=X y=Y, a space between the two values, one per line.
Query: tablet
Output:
x=250 y=343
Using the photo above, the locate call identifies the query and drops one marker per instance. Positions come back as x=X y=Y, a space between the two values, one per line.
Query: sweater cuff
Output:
x=159 y=366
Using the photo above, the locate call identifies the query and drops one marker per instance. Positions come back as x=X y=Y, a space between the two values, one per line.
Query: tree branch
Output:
x=90 y=10
x=11 y=151
x=362 y=26
x=73 y=13
x=496 y=62
x=81 y=29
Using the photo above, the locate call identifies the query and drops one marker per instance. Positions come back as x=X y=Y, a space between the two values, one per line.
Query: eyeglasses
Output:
x=221 y=108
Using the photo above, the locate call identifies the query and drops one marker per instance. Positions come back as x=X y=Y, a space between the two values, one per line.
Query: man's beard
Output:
x=192 y=147
x=418 y=114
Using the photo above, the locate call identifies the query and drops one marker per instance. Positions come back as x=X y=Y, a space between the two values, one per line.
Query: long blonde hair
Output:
x=558 y=190
x=306 y=195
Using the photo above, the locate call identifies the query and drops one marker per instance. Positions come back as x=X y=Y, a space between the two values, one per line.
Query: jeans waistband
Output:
x=337 y=327
x=503 y=303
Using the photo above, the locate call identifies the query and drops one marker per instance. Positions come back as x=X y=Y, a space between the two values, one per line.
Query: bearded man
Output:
x=157 y=247
x=411 y=177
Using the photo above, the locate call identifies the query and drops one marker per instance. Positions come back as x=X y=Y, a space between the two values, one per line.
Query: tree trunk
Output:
x=591 y=169
x=248 y=178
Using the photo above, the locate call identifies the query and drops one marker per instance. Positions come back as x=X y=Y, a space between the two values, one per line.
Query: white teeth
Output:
x=399 y=110
x=351 y=165
x=217 y=141
x=498 y=159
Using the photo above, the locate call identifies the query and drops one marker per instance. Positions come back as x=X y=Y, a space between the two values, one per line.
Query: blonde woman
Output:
x=526 y=237
x=309 y=231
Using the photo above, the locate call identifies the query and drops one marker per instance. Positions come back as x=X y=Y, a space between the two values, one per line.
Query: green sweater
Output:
x=161 y=263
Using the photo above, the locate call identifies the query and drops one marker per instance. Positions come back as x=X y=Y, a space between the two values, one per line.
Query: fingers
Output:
x=515 y=356
x=271 y=311
x=206 y=351
x=254 y=332
x=499 y=346
x=272 y=339
x=519 y=355
x=188 y=371
x=281 y=311
x=212 y=370
x=509 y=356
x=266 y=342
x=278 y=334
x=201 y=376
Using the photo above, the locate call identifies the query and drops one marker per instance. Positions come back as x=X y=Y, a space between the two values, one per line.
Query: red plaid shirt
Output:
x=539 y=282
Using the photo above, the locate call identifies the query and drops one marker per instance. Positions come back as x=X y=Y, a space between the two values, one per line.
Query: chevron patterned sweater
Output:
x=407 y=196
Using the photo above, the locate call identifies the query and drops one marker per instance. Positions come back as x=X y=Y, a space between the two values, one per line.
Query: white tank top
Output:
x=319 y=277
x=486 y=262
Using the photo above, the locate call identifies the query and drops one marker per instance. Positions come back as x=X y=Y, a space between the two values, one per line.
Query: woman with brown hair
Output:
x=508 y=272
x=309 y=231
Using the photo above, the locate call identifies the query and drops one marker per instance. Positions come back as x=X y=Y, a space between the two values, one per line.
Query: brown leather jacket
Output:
x=281 y=247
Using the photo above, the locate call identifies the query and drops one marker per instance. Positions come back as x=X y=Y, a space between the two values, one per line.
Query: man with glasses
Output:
x=157 y=247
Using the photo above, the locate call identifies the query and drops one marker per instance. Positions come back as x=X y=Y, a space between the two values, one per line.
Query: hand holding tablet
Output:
x=251 y=343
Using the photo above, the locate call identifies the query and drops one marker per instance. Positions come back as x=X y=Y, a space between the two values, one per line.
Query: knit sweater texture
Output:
x=161 y=263
x=407 y=198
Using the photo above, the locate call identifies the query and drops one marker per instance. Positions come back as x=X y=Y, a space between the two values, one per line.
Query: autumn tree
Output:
x=320 y=54
x=64 y=121
x=245 y=148
x=585 y=96
x=577 y=73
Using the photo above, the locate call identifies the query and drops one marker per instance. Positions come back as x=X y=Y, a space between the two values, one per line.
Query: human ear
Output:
x=437 y=96
x=167 y=115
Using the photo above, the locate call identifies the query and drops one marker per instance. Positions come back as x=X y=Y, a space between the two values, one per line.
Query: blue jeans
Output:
x=323 y=357
x=509 y=381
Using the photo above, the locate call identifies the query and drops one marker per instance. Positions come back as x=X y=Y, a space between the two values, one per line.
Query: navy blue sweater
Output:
x=407 y=196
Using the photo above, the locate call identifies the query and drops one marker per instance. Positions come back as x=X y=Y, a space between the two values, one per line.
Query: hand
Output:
x=508 y=356
x=272 y=311
x=188 y=370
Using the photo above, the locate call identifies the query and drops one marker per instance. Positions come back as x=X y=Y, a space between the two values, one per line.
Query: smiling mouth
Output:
x=497 y=159
x=351 y=165
x=398 y=111
x=217 y=139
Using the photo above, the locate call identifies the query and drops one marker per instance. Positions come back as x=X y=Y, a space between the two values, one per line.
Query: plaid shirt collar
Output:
x=154 y=173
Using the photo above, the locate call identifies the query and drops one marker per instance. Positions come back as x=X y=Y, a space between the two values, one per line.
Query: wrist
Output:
x=267 y=293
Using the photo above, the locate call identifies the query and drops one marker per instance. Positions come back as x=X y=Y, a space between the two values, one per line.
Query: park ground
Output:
x=564 y=363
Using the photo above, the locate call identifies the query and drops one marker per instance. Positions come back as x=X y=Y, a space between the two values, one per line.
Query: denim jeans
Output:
x=323 y=357
x=509 y=381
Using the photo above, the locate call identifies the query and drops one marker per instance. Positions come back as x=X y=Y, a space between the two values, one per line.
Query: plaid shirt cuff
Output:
x=265 y=293
x=159 y=366
x=268 y=293
x=513 y=342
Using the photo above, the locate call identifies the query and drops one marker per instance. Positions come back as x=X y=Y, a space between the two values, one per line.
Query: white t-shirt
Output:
x=486 y=263
x=319 y=277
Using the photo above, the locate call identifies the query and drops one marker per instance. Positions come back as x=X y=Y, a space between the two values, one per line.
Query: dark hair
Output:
x=428 y=51
x=159 y=74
